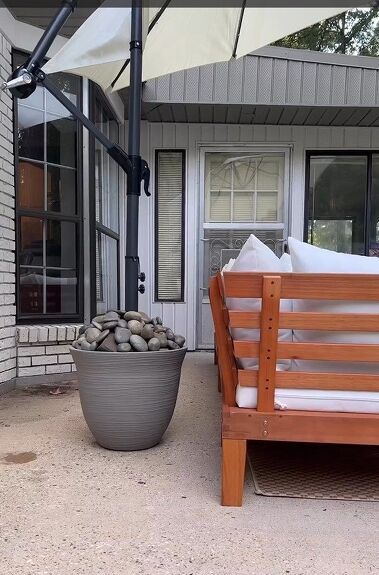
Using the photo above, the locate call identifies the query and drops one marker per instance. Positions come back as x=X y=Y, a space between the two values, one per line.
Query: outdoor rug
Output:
x=315 y=471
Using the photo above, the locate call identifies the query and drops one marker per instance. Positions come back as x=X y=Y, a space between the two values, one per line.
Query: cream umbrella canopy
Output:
x=175 y=39
x=107 y=49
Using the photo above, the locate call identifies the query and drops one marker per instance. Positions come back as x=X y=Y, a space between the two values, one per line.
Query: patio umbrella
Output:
x=107 y=48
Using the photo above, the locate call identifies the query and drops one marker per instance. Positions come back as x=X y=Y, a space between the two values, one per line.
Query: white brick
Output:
x=8 y=342
x=43 y=333
x=44 y=359
x=38 y=370
x=73 y=367
x=23 y=334
x=61 y=335
x=7 y=364
x=31 y=350
x=7 y=375
x=52 y=333
x=24 y=361
x=33 y=334
x=63 y=368
x=66 y=358
x=7 y=354
x=57 y=349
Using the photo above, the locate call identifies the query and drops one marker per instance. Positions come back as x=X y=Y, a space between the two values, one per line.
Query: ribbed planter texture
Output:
x=128 y=399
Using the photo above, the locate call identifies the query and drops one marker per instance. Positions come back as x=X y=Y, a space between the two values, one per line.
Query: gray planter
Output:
x=128 y=399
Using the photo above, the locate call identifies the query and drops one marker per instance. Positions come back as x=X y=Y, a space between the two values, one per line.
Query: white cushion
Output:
x=255 y=256
x=314 y=400
x=311 y=259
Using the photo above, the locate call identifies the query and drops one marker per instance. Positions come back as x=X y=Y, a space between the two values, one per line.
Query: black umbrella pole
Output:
x=134 y=177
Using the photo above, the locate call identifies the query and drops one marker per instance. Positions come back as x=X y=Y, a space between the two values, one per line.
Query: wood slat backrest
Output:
x=271 y=288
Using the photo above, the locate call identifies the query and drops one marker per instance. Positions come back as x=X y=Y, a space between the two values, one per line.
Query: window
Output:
x=47 y=168
x=169 y=224
x=105 y=182
x=343 y=201
x=243 y=194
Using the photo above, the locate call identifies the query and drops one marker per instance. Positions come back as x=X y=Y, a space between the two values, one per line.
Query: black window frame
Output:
x=368 y=199
x=95 y=92
x=157 y=299
x=45 y=215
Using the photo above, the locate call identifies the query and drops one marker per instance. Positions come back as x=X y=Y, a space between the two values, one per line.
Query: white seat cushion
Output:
x=255 y=256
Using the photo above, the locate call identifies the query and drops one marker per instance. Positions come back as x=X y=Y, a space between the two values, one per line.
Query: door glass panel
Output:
x=374 y=223
x=61 y=291
x=30 y=133
x=337 y=199
x=30 y=185
x=31 y=241
x=61 y=190
x=60 y=244
x=61 y=140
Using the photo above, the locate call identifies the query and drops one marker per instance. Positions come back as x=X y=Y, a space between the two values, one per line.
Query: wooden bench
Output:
x=265 y=422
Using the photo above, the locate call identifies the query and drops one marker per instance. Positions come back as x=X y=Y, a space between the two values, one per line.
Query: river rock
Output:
x=158 y=320
x=154 y=344
x=108 y=344
x=172 y=345
x=76 y=345
x=110 y=324
x=111 y=316
x=180 y=340
x=83 y=328
x=122 y=335
x=122 y=323
x=162 y=338
x=102 y=336
x=92 y=333
x=145 y=317
x=170 y=334
x=138 y=343
x=86 y=346
x=124 y=347
x=99 y=319
x=147 y=332
x=135 y=326
x=97 y=325
x=160 y=329
x=132 y=315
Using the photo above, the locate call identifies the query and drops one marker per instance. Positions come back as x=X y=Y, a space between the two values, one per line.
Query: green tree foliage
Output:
x=353 y=32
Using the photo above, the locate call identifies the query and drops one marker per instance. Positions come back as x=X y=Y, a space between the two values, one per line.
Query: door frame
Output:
x=244 y=148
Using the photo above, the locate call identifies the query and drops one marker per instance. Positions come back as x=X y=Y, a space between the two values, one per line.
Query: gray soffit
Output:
x=273 y=115
x=274 y=77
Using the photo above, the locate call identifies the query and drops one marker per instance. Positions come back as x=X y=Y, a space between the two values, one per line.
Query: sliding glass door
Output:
x=342 y=211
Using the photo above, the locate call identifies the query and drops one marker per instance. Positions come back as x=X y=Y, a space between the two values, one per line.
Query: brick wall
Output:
x=7 y=226
x=44 y=349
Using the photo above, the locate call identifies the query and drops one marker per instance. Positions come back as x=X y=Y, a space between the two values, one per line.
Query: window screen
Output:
x=169 y=225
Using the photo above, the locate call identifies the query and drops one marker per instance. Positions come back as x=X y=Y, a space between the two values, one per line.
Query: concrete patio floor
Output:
x=79 y=509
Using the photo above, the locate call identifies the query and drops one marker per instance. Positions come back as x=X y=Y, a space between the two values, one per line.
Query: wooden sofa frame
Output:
x=265 y=422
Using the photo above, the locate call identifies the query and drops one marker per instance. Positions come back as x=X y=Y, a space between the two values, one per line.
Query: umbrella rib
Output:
x=151 y=26
x=239 y=29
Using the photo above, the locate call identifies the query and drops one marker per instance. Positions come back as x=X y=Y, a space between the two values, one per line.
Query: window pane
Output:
x=61 y=244
x=70 y=86
x=30 y=185
x=106 y=171
x=30 y=133
x=31 y=241
x=61 y=291
x=374 y=224
x=61 y=140
x=106 y=273
x=242 y=187
x=31 y=291
x=169 y=222
x=337 y=192
x=61 y=190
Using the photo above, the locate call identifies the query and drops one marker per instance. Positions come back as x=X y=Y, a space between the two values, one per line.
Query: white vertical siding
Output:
x=190 y=137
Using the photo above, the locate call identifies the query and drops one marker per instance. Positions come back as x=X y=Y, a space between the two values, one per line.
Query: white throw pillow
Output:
x=255 y=256
x=311 y=259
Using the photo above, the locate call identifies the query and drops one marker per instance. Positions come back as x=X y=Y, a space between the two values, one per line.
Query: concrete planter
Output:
x=128 y=399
